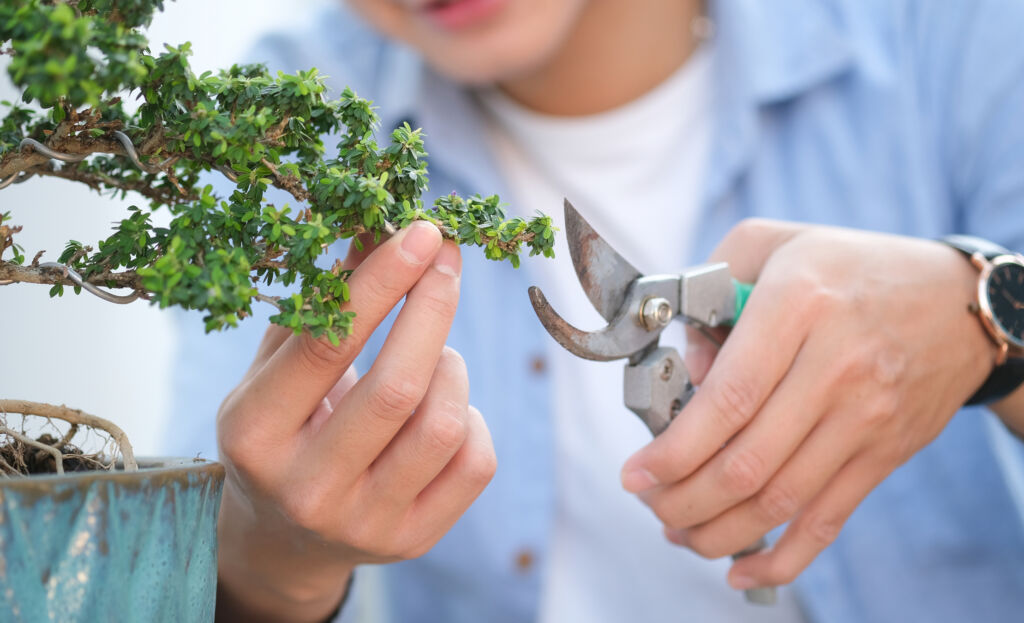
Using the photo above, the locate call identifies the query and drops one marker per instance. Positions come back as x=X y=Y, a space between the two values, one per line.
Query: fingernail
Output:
x=638 y=481
x=448 y=260
x=677 y=536
x=419 y=242
x=742 y=582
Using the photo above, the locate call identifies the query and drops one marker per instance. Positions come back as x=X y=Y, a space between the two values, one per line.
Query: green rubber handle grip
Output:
x=743 y=291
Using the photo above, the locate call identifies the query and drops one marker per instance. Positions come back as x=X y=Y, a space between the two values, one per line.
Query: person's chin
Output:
x=480 y=72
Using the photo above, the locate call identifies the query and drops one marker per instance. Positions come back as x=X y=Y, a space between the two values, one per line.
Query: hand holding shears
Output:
x=840 y=372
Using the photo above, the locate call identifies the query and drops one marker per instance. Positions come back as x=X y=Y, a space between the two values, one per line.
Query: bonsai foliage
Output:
x=130 y=121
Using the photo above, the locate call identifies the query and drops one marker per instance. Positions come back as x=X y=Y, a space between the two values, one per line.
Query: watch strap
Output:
x=1001 y=383
x=970 y=245
x=1007 y=377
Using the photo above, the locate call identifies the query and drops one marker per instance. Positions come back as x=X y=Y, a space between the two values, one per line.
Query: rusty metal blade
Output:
x=621 y=339
x=604 y=274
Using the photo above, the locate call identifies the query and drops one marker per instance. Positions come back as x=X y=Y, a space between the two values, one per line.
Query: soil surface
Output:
x=28 y=460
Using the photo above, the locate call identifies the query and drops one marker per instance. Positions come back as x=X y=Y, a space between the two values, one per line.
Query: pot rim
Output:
x=168 y=468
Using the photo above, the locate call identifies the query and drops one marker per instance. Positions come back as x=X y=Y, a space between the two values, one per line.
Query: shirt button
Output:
x=538 y=364
x=524 y=561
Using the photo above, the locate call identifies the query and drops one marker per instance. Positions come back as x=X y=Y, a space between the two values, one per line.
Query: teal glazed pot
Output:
x=111 y=546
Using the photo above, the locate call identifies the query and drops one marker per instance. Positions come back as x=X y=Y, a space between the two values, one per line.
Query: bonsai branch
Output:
x=6 y=236
x=99 y=181
x=259 y=132
x=34 y=158
x=272 y=300
x=288 y=183
x=75 y=417
x=49 y=275
x=511 y=246
x=66 y=141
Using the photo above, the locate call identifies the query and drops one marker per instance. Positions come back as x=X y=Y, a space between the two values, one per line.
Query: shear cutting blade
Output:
x=619 y=340
x=610 y=282
x=604 y=274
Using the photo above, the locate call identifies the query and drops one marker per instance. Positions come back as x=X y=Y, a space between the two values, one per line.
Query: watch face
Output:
x=1006 y=299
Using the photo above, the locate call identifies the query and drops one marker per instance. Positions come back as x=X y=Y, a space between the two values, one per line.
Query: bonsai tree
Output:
x=100 y=108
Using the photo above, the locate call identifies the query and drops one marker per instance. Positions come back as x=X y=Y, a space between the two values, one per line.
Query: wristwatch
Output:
x=1000 y=306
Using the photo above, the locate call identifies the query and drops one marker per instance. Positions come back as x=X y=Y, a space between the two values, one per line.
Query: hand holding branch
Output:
x=327 y=471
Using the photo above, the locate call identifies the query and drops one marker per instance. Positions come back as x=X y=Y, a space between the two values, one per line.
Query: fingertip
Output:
x=452 y=357
x=677 y=536
x=419 y=242
x=741 y=582
x=448 y=260
x=637 y=479
x=480 y=435
x=750 y=570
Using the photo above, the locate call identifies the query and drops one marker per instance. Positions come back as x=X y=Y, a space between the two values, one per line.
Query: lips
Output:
x=461 y=14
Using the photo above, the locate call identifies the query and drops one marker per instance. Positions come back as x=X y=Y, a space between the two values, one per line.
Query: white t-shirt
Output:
x=635 y=173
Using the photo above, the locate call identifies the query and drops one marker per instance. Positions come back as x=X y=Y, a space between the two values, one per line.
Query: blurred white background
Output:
x=109 y=360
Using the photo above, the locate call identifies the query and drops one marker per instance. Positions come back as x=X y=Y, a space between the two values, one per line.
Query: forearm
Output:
x=1011 y=411
x=272 y=579
x=254 y=608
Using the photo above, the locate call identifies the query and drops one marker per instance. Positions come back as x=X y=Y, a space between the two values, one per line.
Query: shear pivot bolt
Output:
x=655 y=313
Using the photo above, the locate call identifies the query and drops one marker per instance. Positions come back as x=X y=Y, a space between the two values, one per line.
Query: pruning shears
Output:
x=637 y=308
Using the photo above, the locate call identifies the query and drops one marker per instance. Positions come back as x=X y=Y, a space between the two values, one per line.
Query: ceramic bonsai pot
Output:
x=111 y=545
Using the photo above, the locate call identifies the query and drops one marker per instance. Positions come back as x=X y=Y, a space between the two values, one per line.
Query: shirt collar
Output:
x=765 y=53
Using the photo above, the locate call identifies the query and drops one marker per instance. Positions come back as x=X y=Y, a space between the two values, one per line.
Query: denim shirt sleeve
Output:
x=984 y=152
x=977 y=58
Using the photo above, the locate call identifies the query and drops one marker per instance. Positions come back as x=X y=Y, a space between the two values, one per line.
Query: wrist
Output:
x=972 y=342
x=998 y=304
x=266 y=573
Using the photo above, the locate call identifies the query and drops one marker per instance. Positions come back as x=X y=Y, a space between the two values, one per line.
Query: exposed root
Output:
x=66 y=439
x=76 y=418
x=6 y=469
x=58 y=457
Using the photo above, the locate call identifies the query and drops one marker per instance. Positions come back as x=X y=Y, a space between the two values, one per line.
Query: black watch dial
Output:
x=1006 y=299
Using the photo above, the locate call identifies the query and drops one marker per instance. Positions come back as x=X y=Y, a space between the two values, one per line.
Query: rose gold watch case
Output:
x=1006 y=342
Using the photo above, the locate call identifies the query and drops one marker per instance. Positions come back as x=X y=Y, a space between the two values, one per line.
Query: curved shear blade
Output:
x=619 y=340
x=604 y=274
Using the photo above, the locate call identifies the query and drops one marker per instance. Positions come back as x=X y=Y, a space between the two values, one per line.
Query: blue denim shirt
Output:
x=901 y=116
